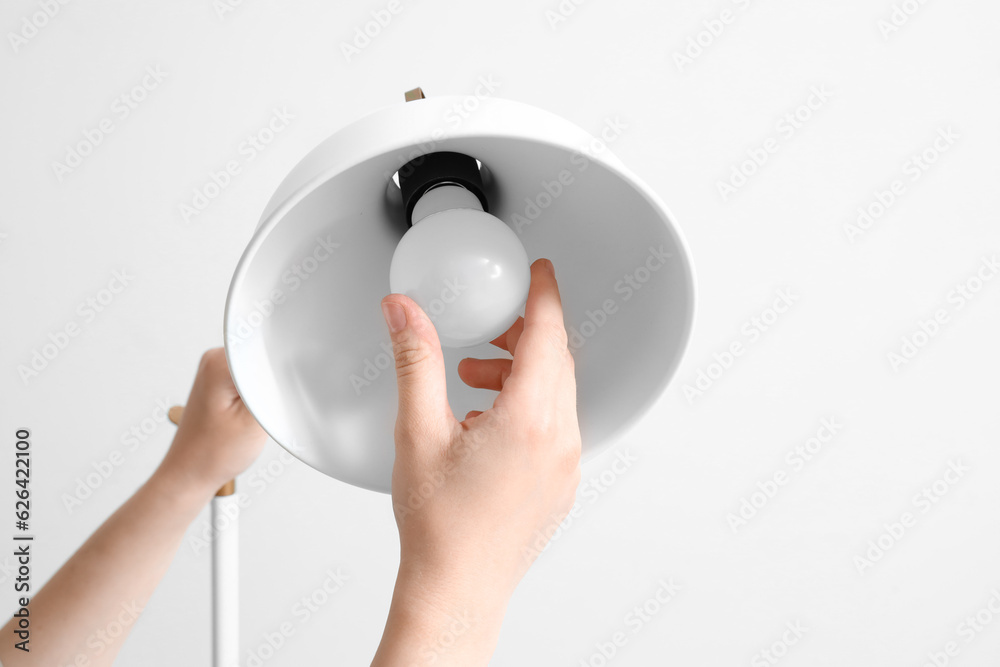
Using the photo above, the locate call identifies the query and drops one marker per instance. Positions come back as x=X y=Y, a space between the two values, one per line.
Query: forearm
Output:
x=437 y=622
x=109 y=580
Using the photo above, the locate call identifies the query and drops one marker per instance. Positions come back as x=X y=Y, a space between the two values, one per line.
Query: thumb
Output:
x=420 y=376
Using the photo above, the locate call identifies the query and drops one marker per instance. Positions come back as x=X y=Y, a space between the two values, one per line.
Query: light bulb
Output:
x=463 y=266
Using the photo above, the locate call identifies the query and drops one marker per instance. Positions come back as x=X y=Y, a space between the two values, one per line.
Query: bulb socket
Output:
x=422 y=173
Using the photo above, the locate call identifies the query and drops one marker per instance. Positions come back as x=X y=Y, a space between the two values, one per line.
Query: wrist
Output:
x=187 y=490
x=436 y=618
x=186 y=472
x=466 y=579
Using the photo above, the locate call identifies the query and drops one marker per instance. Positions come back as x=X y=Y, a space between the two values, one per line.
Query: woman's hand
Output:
x=217 y=438
x=472 y=497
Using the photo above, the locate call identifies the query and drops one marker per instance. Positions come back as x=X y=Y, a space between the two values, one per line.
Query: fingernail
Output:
x=395 y=316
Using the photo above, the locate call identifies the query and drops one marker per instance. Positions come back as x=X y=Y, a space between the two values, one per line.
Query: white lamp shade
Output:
x=305 y=338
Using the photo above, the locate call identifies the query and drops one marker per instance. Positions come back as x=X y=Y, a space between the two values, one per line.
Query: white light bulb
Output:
x=463 y=266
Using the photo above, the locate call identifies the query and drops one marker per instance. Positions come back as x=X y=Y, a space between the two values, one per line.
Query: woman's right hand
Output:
x=473 y=497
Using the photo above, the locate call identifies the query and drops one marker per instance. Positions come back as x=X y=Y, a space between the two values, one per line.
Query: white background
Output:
x=688 y=126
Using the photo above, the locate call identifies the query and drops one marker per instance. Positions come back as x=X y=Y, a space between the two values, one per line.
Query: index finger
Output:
x=542 y=347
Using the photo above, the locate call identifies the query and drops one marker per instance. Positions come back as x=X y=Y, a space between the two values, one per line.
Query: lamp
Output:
x=447 y=204
x=305 y=338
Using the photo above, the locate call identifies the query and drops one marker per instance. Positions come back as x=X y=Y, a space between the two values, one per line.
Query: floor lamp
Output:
x=446 y=199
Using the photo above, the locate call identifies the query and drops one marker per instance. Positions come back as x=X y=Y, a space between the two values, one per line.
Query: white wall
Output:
x=687 y=127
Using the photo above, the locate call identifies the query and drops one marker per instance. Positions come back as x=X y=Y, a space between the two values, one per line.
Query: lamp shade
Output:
x=306 y=342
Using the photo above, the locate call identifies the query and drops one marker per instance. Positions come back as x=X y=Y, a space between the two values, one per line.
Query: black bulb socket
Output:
x=427 y=171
